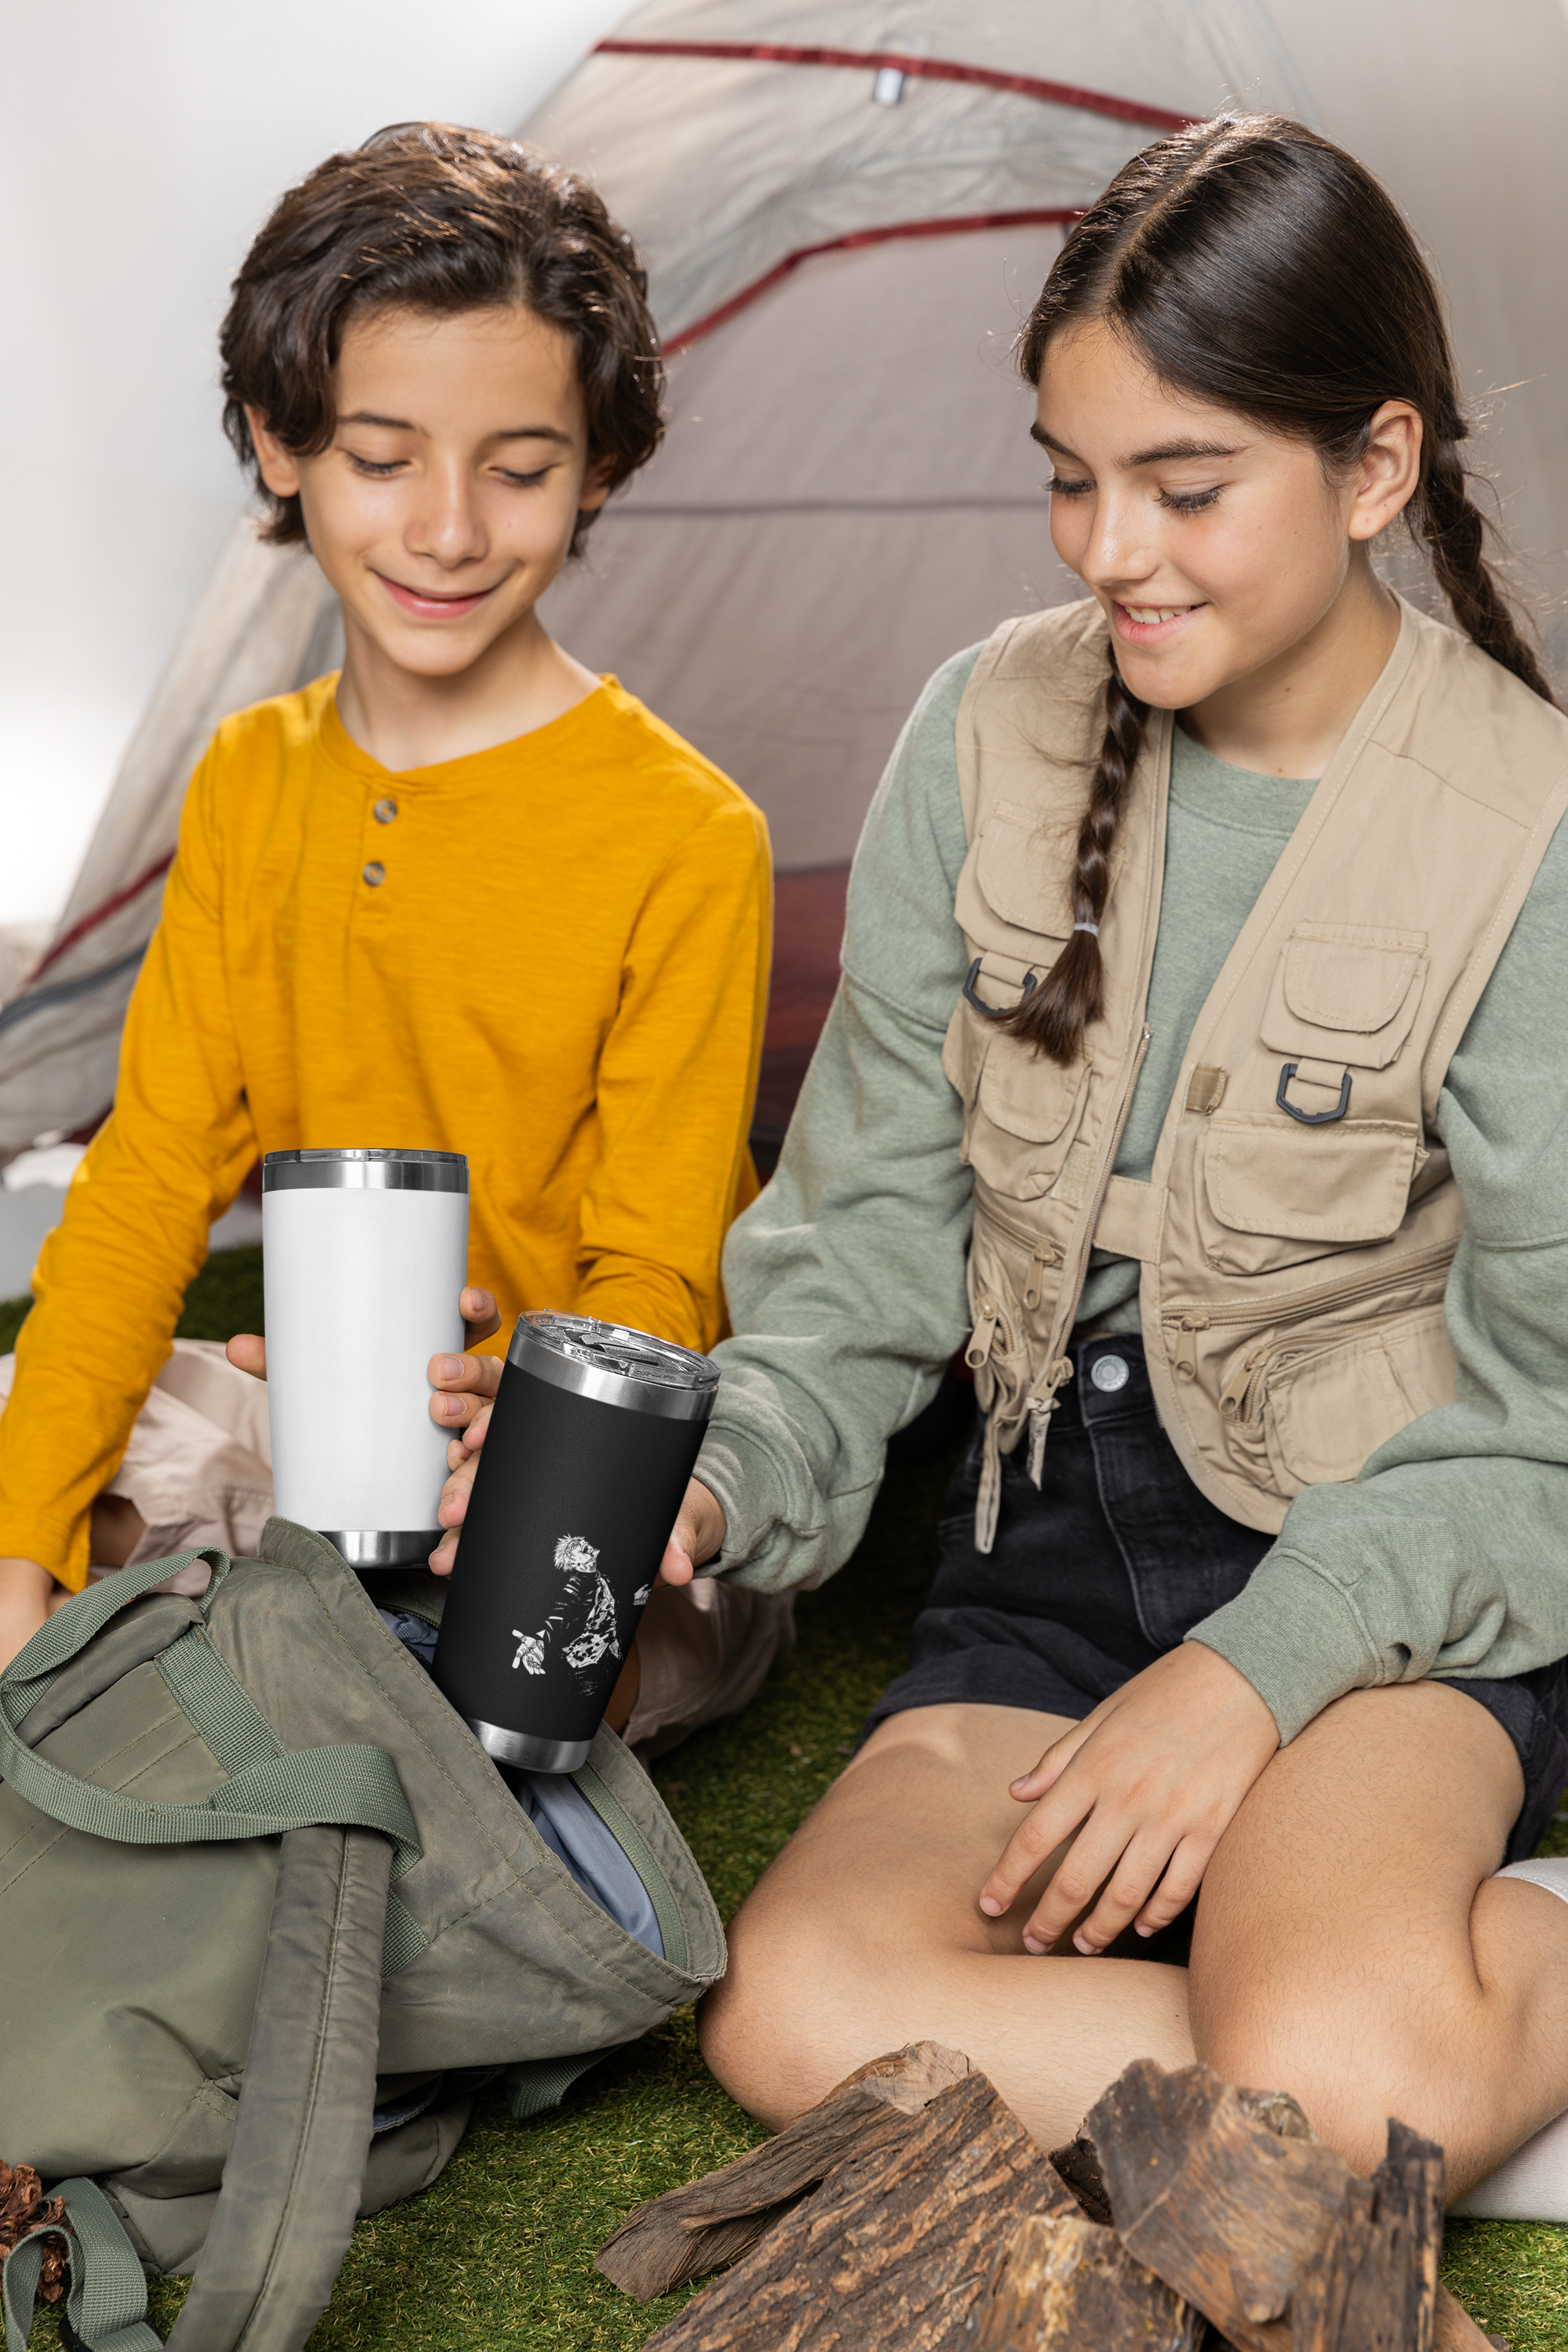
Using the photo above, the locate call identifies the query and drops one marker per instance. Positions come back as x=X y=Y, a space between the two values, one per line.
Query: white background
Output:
x=144 y=142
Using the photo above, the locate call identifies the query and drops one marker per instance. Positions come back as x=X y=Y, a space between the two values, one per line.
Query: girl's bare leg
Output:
x=867 y=1933
x=1353 y=1946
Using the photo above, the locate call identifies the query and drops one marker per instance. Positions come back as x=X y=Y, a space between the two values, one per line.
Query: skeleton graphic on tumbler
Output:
x=587 y=1601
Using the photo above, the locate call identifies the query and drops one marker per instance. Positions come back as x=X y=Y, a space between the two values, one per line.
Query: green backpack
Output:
x=271 y=1917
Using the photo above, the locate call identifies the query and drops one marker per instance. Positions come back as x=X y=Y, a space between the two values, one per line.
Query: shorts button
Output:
x=376 y=875
x=384 y=812
x=1110 y=1373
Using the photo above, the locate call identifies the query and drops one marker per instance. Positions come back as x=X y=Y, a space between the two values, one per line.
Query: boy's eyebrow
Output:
x=511 y=433
x=1163 y=454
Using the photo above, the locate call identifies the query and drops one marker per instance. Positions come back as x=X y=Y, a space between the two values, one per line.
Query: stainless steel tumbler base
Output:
x=522 y=1748
x=383 y=1547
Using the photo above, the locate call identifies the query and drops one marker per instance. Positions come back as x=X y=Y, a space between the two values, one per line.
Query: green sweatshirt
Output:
x=846 y=1279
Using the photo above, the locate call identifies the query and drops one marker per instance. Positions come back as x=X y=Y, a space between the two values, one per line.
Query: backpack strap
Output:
x=291 y=2185
x=106 y=2310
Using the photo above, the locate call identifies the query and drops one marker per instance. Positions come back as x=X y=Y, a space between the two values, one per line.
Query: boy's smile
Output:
x=441 y=511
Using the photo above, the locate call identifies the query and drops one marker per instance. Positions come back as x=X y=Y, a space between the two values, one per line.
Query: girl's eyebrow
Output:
x=509 y=433
x=1162 y=456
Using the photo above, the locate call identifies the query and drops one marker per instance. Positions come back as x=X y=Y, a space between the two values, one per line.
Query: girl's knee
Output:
x=1348 y=2074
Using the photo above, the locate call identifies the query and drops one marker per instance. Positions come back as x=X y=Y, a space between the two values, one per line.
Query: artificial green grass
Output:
x=225 y=1298
x=497 y=2256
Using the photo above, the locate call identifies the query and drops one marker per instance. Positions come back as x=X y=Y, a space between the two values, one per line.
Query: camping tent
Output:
x=846 y=209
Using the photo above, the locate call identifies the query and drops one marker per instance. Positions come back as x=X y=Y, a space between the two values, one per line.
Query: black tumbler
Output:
x=591 y=1440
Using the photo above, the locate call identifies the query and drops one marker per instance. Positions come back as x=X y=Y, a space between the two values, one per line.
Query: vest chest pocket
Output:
x=1025 y=1115
x=1276 y=1190
x=1343 y=993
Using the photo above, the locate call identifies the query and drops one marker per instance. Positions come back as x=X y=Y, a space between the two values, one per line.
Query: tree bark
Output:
x=1211 y=2195
x=893 y=2249
x=716 y=2219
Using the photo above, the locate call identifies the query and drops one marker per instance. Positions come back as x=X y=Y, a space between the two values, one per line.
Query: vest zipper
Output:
x=1184 y=1363
x=1040 y=1410
x=982 y=1339
x=1046 y=1253
x=1292 y=1309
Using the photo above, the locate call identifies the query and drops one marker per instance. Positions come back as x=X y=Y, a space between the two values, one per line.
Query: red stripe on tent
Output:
x=90 y=922
x=959 y=226
x=1050 y=93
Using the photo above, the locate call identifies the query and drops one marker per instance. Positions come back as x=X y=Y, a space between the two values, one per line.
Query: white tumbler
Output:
x=365 y=1255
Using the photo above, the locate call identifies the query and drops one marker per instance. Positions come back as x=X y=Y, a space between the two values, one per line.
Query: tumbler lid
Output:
x=615 y=1365
x=365 y=1171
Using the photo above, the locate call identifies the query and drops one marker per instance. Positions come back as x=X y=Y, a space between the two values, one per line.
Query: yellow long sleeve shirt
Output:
x=551 y=956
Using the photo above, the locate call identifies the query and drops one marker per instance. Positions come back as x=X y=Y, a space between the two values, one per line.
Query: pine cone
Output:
x=23 y=2207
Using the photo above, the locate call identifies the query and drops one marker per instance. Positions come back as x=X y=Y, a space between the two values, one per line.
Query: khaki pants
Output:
x=198 y=1469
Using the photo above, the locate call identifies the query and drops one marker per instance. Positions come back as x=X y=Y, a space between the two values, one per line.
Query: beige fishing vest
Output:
x=1295 y=1236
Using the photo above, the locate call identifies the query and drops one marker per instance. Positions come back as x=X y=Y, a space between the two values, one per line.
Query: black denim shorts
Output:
x=1111 y=1562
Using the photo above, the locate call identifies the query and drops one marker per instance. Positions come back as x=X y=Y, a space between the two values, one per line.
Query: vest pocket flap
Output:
x=1022 y=867
x=1348 y=1183
x=1345 y=992
x=1029 y=1094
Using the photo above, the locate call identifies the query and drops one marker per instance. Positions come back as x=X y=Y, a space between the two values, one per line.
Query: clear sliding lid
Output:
x=615 y=1365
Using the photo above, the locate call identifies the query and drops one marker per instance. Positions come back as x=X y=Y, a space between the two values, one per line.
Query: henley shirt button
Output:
x=384 y=812
x=1110 y=1373
x=376 y=875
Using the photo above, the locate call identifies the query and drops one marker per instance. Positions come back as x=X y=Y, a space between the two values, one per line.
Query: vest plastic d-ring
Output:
x=1313 y=1117
x=994 y=1012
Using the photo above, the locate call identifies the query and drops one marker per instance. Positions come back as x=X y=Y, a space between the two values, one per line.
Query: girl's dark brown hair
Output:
x=430 y=218
x=1260 y=270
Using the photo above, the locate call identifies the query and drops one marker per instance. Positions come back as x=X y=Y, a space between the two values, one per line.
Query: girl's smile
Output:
x=1146 y=625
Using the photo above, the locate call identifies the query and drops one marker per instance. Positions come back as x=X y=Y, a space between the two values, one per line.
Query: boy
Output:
x=466 y=896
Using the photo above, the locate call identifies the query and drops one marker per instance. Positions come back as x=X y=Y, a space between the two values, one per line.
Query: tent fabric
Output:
x=265 y=621
x=846 y=209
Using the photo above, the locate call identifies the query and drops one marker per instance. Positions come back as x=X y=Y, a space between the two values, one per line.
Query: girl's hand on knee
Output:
x=1144 y=1788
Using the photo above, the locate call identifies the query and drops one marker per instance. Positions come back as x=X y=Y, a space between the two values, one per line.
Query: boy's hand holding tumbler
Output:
x=591 y=1442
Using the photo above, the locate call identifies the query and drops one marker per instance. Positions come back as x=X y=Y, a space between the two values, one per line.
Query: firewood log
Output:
x=715 y=2220
x=893 y=2249
x=1068 y=2283
x=1209 y=2193
x=1372 y=2286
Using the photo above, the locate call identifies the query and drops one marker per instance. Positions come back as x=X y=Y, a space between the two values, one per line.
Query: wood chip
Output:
x=1068 y=2283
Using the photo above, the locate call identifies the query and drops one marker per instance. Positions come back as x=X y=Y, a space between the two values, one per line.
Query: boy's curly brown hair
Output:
x=429 y=217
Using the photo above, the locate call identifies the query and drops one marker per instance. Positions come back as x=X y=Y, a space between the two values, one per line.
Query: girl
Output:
x=1199 y=1065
